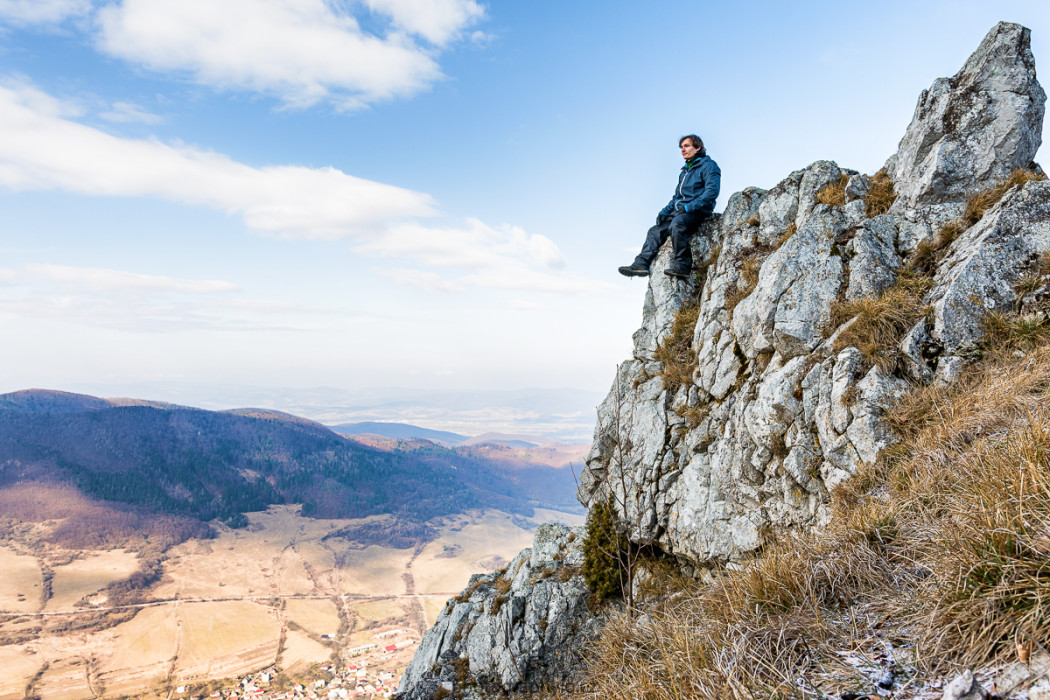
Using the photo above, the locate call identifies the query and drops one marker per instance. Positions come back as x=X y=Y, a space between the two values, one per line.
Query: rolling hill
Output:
x=204 y=465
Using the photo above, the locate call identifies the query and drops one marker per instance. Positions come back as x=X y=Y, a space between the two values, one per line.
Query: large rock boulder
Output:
x=969 y=130
x=523 y=626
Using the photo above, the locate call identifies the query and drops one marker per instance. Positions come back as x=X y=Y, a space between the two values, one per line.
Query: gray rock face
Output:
x=986 y=262
x=778 y=412
x=520 y=626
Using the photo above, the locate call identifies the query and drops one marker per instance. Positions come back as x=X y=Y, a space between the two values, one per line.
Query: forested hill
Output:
x=206 y=464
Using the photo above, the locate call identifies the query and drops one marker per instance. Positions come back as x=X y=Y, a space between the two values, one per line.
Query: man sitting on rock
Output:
x=693 y=201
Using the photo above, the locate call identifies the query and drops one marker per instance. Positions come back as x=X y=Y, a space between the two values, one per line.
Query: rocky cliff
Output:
x=780 y=406
x=759 y=385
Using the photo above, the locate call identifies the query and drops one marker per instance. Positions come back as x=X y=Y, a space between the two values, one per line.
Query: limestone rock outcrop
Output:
x=784 y=403
x=780 y=411
x=524 y=625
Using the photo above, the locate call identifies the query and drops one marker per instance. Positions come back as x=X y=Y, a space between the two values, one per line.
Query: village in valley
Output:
x=369 y=670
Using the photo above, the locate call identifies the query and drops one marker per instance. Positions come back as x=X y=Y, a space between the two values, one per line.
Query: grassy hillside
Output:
x=936 y=558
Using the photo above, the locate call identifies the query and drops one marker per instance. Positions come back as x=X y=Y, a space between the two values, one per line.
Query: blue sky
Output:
x=432 y=194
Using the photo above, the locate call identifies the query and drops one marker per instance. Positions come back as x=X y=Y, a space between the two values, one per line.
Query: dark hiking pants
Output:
x=680 y=229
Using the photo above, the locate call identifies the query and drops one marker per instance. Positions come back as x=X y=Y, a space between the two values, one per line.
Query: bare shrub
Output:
x=928 y=253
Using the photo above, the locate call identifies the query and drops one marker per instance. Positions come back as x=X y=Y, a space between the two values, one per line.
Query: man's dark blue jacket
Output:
x=697 y=190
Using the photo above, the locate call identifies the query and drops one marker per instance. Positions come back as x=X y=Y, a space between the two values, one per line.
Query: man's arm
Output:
x=712 y=177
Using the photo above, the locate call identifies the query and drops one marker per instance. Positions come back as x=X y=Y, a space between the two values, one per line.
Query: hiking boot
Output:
x=634 y=270
x=675 y=272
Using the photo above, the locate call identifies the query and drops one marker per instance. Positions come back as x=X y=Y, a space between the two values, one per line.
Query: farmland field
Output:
x=225 y=602
x=20 y=583
x=87 y=575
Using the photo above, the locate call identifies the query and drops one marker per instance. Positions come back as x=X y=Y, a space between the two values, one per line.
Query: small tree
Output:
x=611 y=560
x=603 y=565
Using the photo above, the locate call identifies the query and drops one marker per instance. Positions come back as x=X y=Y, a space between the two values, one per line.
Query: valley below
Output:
x=286 y=595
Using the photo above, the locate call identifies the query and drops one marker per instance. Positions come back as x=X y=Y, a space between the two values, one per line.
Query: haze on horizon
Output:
x=287 y=194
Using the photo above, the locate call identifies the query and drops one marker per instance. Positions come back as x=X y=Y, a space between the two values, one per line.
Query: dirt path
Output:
x=30 y=691
x=311 y=573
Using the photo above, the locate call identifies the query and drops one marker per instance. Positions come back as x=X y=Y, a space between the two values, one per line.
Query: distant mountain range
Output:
x=203 y=464
x=541 y=414
x=404 y=431
x=399 y=431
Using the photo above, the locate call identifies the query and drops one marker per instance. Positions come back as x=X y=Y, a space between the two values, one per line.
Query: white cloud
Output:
x=302 y=51
x=475 y=246
x=437 y=21
x=128 y=112
x=483 y=256
x=25 y=12
x=41 y=149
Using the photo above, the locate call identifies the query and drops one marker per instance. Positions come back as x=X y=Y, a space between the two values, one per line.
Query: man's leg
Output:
x=653 y=240
x=681 y=229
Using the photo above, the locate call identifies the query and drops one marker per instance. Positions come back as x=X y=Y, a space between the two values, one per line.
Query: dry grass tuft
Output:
x=881 y=321
x=978 y=204
x=880 y=194
x=834 y=194
x=676 y=351
x=753 y=220
x=928 y=254
x=787 y=234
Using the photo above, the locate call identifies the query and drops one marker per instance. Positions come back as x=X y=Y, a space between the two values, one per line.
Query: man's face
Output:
x=688 y=149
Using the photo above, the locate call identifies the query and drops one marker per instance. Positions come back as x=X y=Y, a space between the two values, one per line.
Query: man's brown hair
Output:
x=696 y=141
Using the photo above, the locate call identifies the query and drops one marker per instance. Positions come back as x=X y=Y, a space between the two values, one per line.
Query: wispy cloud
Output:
x=41 y=148
x=301 y=51
x=128 y=113
x=28 y=12
x=427 y=281
x=98 y=279
x=479 y=255
x=139 y=302
x=437 y=21
x=474 y=246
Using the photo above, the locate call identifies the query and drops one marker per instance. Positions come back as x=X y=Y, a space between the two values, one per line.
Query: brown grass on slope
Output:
x=978 y=204
x=881 y=321
x=881 y=194
x=676 y=351
x=942 y=547
x=834 y=193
